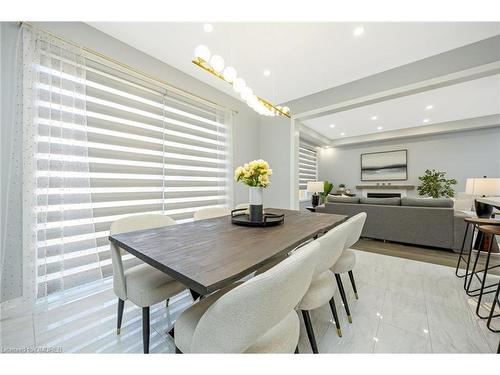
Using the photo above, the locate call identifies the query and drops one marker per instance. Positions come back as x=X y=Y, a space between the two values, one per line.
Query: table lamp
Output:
x=315 y=187
x=483 y=187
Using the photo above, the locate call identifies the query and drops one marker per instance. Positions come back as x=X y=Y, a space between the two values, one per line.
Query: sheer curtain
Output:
x=58 y=216
x=11 y=162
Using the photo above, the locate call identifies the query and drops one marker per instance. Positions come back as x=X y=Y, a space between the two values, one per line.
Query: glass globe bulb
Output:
x=246 y=93
x=202 y=52
x=239 y=84
x=217 y=63
x=252 y=101
x=285 y=109
x=230 y=74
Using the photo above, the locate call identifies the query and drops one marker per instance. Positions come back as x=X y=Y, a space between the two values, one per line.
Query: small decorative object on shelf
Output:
x=341 y=188
x=315 y=187
x=255 y=174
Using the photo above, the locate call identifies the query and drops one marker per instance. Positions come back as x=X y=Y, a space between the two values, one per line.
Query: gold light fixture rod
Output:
x=206 y=66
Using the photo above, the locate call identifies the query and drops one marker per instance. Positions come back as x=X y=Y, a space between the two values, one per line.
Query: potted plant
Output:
x=328 y=186
x=434 y=184
x=255 y=174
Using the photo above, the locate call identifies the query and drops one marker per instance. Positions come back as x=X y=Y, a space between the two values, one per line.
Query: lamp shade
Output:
x=315 y=186
x=483 y=186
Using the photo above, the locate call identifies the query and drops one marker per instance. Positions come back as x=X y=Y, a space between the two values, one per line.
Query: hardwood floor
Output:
x=419 y=253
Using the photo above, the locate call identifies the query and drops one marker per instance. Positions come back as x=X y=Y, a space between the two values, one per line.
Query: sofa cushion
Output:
x=338 y=199
x=426 y=202
x=381 y=201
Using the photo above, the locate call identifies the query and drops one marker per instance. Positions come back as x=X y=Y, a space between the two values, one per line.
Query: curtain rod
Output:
x=128 y=67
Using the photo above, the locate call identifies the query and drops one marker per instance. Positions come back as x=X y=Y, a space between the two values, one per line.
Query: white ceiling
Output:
x=480 y=97
x=303 y=58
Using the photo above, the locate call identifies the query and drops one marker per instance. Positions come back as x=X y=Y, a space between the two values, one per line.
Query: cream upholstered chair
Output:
x=210 y=212
x=323 y=285
x=347 y=260
x=142 y=284
x=257 y=316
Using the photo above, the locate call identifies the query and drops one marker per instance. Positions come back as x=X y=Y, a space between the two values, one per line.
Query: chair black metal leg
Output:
x=145 y=329
x=177 y=350
x=194 y=294
x=335 y=317
x=351 y=277
x=296 y=350
x=121 y=305
x=343 y=296
x=310 y=331
x=460 y=257
x=473 y=272
x=495 y=300
x=469 y=257
x=167 y=302
x=485 y=273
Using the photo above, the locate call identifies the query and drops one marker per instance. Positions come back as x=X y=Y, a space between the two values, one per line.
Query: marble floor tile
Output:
x=17 y=332
x=442 y=290
x=357 y=337
x=392 y=339
x=454 y=330
x=405 y=312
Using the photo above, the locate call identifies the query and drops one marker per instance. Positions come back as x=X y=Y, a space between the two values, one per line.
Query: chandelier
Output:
x=215 y=65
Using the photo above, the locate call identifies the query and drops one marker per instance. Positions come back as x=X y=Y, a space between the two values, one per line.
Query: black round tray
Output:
x=239 y=217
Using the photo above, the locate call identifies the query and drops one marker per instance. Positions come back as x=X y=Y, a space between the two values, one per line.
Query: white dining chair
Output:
x=141 y=284
x=257 y=316
x=323 y=284
x=211 y=212
x=347 y=260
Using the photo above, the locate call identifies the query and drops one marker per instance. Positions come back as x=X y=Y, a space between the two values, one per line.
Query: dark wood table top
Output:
x=208 y=255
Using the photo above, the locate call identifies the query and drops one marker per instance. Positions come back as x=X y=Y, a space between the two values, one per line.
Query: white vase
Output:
x=255 y=203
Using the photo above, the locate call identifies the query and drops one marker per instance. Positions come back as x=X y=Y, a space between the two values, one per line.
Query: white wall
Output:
x=275 y=148
x=462 y=155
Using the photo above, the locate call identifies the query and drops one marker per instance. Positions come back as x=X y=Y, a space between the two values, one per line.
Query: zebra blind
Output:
x=148 y=149
x=308 y=164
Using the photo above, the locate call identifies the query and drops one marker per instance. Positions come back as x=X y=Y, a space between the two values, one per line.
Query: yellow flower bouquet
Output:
x=255 y=173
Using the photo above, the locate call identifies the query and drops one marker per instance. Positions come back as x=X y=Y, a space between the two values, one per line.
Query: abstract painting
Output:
x=383 y=166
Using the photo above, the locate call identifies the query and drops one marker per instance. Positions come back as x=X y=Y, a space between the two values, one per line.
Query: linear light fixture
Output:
x=215 y=66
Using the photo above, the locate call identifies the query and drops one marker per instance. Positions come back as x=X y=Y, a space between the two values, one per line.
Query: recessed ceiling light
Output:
x=374 y=118
x=267 y=73
x=425 y=120
x=208 y=27
x=358 y=31
x=342 y=134
x=430 y=106
x=379 y=128
x=332 y=125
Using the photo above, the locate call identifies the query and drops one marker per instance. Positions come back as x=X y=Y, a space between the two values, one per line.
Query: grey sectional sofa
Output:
x=419 y=221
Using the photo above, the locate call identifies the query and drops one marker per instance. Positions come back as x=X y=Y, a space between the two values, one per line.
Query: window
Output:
x=308 y=167
x=110 y=144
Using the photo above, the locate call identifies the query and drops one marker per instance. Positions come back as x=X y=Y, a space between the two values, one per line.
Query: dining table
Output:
x=211 y=254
